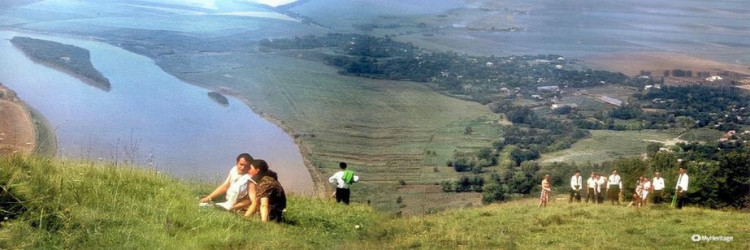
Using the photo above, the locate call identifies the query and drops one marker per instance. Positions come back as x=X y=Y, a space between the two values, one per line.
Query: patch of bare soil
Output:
x=16 y=126
x=633 y=63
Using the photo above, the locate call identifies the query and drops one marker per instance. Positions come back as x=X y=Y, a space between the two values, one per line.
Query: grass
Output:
x=603 y=145
x=83 y=205
x=45 y=140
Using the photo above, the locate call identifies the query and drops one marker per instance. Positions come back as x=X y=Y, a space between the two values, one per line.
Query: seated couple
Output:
x=251 y=188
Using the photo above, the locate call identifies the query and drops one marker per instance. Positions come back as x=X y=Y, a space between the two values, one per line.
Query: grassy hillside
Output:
x=85 y=205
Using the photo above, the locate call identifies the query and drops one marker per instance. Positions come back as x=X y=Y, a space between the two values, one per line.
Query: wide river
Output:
x=149 y=117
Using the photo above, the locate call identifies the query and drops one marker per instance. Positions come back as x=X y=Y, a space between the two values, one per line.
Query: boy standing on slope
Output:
x=343 y=180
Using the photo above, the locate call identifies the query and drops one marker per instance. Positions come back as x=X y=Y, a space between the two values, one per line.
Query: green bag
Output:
x=348 y=177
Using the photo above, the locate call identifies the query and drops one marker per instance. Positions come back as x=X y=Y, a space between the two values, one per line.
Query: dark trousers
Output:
x=657 y=196
x=680 y=199
x=613 y=192
x=591 y=194
x=276 y=215
x=342 y=195
x=575 y=194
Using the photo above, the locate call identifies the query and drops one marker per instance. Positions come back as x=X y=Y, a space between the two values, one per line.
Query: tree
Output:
x=652 y=148
x=486 y=154
x=493 y=192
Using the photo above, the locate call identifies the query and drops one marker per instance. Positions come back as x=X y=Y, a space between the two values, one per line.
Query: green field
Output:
x=50 y=204
x=386 y=130
x=604 y=145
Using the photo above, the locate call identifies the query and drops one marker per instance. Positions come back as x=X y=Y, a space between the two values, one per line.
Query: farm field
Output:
x=604 y=145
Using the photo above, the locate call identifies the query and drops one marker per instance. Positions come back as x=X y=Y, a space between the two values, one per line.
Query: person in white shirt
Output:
x=658 y=185
x=601 y=183
x=646 y=190
x=343 y=180
x=681 y=187
x=576 y=184
x=591 y=188
x=233 y=188
x=613 y=188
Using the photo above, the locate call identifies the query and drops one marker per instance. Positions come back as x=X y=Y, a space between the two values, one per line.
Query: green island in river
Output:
x=67 y=58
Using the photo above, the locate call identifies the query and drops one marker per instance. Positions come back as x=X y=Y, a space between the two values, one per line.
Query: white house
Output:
x=714 y=78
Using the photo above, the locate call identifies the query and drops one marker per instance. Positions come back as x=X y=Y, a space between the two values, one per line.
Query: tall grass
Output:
x=84 y=205
x=81 y=205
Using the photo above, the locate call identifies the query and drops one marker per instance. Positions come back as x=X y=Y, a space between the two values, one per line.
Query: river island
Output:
x=70 y=59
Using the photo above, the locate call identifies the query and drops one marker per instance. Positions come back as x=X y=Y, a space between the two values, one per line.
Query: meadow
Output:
x=605 y=145
x=83 y=205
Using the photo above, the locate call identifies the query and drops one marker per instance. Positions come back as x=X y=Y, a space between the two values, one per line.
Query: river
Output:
x=149 y=117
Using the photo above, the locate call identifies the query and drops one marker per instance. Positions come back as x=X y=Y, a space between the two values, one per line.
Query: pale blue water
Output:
x=184 y=132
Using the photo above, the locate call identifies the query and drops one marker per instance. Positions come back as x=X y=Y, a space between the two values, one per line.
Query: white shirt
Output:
x=658 y=183
x=591 y=183
x=338 y=180
x=237 y=189
x=615 y=180
x=232 y=177
x=599 y=185
x=646 y=186
x=576 y=180
x=682 y=181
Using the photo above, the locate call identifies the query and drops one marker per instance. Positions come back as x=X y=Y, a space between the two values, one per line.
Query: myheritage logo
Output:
x=698 y=237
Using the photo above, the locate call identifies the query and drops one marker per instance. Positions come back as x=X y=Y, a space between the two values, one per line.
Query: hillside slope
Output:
x=57 y=204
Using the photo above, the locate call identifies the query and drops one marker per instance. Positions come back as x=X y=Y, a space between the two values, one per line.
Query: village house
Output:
x=547 y=88
x=560 y=105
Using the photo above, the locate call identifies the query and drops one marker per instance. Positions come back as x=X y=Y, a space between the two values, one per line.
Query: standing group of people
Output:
x=251 y=188
x=597 y=185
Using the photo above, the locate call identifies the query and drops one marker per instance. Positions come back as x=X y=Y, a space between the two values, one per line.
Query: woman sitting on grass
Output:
x=266 y=193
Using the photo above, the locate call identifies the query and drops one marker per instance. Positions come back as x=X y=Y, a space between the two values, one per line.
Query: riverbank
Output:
x=23 y=130
x=395 y=135
x=321 y=187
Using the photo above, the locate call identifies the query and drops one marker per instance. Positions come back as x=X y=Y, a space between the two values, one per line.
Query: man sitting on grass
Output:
x=235 y=187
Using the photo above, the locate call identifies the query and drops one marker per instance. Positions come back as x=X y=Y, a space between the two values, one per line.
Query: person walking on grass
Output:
x=576 y=184
x=546 y=190
x=591 y=188
x=234 y=187
x=343 y=180
x=658 y=185
x=681 y=187
x=613 y=187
